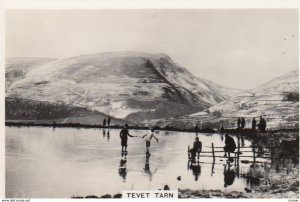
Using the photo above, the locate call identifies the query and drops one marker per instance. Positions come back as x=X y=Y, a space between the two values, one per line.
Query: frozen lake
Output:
x=64 y=162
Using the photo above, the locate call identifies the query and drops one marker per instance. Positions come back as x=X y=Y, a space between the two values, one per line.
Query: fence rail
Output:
x=237 y=155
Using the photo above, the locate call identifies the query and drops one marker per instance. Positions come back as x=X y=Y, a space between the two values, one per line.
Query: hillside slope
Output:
x=23 y=110
x=277 y=101
x=129 y=85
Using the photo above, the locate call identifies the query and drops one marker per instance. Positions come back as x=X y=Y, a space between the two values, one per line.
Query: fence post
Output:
x=253 y=154
x=237 y=155
x=213 y=151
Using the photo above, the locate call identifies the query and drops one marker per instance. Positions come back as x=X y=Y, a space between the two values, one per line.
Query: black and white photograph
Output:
x=203 y=102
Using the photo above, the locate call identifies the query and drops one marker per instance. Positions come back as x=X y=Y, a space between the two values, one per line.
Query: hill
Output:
x=277 y=101
x=128 y=85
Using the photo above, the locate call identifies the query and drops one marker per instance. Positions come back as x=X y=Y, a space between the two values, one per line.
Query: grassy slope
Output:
x=46 y=112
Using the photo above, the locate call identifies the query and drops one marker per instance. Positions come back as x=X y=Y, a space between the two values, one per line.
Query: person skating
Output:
x=124 y=137
x=147 y=139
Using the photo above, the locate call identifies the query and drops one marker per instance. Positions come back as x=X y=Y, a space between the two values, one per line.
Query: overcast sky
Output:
x=235 y=48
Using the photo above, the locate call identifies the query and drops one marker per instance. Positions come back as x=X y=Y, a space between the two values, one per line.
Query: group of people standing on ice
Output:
x=262 y=125
x=106 y=122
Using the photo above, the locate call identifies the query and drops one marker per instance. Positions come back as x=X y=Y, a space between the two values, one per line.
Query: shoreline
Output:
x=245 y=131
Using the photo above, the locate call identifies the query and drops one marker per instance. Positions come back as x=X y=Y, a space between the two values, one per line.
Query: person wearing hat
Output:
x=124 y=137
x=148 y=137
x=197 y=148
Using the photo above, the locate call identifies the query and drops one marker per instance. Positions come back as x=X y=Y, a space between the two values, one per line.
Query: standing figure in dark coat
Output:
x=124 y=137
x=108 y=121
x=222 y=129
x=243 y=123
x=230 y=145
x=262 y=125
x=196 y=128
x=104 y=122
x=253 y=124
x=239 y=123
